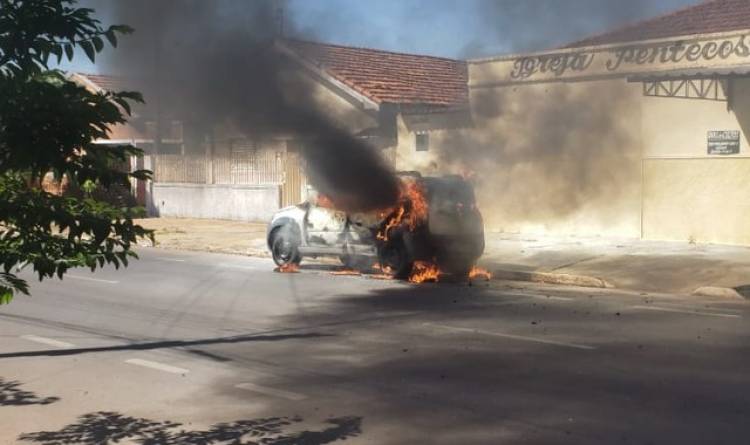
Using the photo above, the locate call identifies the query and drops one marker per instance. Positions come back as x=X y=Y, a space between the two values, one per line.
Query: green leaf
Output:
x=98 y=44
x=69 y=51
x=57 y=50
x=88 y=48
x=111 y=37
x=6 y=296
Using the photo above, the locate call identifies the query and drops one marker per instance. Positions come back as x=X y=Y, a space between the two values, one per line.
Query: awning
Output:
x=697 y=73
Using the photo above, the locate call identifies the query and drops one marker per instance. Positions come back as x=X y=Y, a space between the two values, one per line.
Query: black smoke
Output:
x=534 y=25
x=213 y=63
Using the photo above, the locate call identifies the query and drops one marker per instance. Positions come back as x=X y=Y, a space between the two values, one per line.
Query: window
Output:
x=422 y=141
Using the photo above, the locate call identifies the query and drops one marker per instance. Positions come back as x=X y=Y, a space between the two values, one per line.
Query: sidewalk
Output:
x=208 y=235
x=649 y=266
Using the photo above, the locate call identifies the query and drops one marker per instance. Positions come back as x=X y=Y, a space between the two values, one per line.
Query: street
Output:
x=199 y=348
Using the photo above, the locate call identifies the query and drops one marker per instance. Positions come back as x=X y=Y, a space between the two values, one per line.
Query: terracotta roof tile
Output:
x=705 y=18
x=389 y=77
x=106 y=82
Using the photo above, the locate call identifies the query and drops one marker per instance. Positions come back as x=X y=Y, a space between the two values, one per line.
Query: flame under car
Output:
x=436 y=222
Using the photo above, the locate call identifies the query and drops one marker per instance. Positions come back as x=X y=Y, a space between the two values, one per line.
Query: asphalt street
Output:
x=197 y=348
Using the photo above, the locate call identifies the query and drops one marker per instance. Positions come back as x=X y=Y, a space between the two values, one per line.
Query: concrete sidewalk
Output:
x=649 y=266
x=209 y=235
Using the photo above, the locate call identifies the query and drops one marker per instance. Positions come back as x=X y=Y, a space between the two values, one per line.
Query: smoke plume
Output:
x=553 y=158
x=535 y=25
x=213 y=63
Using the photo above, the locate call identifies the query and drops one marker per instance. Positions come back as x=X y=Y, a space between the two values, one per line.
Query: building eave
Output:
x=348 y=93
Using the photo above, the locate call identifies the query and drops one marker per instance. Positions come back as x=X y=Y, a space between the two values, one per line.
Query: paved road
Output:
x=192 y=348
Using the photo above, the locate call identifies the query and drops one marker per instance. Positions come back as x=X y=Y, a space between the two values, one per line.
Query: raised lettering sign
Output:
x=629 y=56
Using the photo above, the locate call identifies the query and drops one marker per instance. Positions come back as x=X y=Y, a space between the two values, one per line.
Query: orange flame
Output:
x=424 y=271
x=394 y=221
x=479 y=273
x=287 y=268
x=412 y=209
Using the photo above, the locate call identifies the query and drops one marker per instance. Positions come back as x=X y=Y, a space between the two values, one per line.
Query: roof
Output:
x=387 y=77
x=105 y=82
x=705 y=18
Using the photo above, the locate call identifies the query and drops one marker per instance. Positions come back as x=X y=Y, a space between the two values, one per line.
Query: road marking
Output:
x=671 y=305
x=156 y=365
x=513 y=337
x=77 y=277
x=174 y=260
x=271 y=391
x=550 y=298
x=679 y=311
x=48 y=341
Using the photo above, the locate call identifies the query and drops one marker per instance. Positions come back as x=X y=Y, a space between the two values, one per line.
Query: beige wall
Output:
x=617 y=162
x=406 y=157
x=688 y=52
x=689 y=195
x=705 y=200
x=678 y=127
x=556 y=158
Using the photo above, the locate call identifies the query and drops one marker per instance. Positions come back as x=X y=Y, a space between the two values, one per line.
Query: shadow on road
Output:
x=163 y=345
x=102 y=428
x=648 y=378
x=11 y=394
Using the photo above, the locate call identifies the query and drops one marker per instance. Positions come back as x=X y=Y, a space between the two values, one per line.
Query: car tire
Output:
x=395 y=256
x=285 y=242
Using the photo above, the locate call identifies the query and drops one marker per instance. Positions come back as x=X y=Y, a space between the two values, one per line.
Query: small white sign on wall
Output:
x=724 y=142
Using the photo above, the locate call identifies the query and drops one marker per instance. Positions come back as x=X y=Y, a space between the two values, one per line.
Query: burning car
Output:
x=435 y=228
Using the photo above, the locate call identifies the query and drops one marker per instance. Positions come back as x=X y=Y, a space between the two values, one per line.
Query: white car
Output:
x=448 y=231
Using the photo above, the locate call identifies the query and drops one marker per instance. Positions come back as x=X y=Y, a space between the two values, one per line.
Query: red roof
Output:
x=390 y=77
x=705 y=18
x=106 y=82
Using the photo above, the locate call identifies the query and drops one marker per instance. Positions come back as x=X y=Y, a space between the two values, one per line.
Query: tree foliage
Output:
x=48 y=125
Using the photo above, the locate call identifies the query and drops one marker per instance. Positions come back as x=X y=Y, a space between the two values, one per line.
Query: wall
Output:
x=678 y=127
x=405 y=157
x=704 y=200
x=688 y=194
x=232 y=202
x=552 y=158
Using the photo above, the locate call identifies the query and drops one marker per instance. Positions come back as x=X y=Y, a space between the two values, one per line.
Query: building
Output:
x=637 y=132
x=640 y=132
x=389 y=99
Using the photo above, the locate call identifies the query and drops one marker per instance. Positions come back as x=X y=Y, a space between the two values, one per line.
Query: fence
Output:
x=250 y=167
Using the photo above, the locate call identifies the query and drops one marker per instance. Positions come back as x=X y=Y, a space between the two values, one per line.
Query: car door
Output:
x=325 y=227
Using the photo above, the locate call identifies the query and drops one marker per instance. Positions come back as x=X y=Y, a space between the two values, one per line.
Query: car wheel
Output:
x=285 y=244
x=395 y=256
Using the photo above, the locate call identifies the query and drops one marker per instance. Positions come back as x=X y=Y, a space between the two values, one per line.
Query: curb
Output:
x=553 y=278
x=718 y=292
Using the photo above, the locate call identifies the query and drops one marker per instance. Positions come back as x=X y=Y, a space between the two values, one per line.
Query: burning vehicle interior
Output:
x=435 y=229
